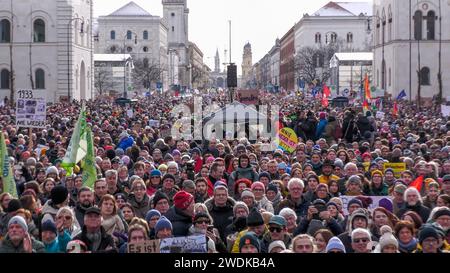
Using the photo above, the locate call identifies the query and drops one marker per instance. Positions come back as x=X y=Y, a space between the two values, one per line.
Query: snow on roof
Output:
x=354 y=56
x=111 y=57
x=345 y=9
x=130 y=9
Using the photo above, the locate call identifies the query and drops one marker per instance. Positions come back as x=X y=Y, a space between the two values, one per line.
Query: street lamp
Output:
x=125 y=94
x=69 y=32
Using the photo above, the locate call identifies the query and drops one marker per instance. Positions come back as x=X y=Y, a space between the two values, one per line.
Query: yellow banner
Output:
x=397 y=167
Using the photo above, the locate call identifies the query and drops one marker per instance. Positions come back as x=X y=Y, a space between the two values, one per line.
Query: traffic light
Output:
x=232 y=75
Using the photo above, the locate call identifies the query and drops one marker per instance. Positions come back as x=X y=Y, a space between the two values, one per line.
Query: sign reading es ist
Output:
x=31 y=109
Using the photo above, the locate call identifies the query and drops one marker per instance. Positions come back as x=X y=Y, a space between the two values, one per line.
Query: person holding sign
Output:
x=136 y=235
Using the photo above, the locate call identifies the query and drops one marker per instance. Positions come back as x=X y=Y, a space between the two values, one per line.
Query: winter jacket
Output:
x=420 y=209
x=125 y=143
x=382 y=191
x=106 y=245
x=321 y=128
x=222 y=216
x=140 y=208
x=58 y=245
x=348 y=128
x=364 y=125
x=276 y=202
x=113 y=224
x=311 y=226
x=8 y=247
x=79 y=214
x=265 y=204
x=299 y=208
x=267 y=240
x=180 y=222
x=248 y=173
x=428 y=203
x=310 y=127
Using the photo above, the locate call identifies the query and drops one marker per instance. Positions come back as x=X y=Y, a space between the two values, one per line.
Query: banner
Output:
x=88 y=163
x=287 y=140
x=380 y=115
x=397 y=167
x=9 y=184
x=148 y=246
x=445 y=110
x=30 y=109
x=377 y=201
x=248 y=97
x=190 y=244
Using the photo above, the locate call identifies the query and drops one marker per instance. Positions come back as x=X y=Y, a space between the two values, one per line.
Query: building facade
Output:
x=48 y=46
x=407 y=35
x=274 y=54
x=218 y=76
x=132 y=30
x=176 y=14
x=287 y=51
x=198 y=68
x=113 y=74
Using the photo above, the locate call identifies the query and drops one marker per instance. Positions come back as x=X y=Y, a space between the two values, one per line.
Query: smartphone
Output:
x=210 y=228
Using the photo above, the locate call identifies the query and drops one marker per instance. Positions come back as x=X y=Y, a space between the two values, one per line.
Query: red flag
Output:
x=365 y=107
x=418 y=183
x=325 y=101
x=367 y=88
x=395 y=112
x=326 y=91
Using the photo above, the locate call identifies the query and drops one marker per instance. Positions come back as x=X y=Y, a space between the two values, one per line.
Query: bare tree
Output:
x=146 y=72
x=103 y=79
x=312 y=63
x=197 y=76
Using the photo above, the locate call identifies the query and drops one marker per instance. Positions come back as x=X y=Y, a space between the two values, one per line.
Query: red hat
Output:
x=366 y=155
x=258 y=184
x=182 y=200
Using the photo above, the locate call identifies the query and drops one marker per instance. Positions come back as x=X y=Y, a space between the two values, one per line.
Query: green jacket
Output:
x=8 y=247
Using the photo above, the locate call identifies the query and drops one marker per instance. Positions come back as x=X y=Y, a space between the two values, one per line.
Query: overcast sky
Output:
x=259 y=22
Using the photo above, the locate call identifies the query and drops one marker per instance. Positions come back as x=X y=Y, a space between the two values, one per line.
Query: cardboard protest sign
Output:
x=149 y=246
x=30 y=109
x=248 y=97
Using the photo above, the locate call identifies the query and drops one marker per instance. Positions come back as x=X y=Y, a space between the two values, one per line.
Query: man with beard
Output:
x=327 y=172
x=201 y=190
x=85 y=201
x=18 y=240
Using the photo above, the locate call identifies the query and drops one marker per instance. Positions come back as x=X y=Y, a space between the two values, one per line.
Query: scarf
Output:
x=408 y=247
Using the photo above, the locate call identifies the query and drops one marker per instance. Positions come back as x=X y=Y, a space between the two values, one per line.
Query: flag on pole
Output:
x=367 y=88
x=78 y=145
x=88 y=163
x=395 y=110
x=401 y=95
x=366 y=107
x=326 y=94
x=9 y=185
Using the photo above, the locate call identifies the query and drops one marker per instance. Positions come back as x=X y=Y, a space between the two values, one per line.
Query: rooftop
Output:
x=345 y=9
x=130 y=9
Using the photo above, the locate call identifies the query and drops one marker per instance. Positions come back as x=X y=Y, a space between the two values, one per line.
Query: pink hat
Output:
x=258 y=184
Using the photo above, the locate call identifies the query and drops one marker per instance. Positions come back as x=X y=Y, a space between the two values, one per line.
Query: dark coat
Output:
x=8 y=247
x=222 y=216
x=140 y=208
x=79 y=214
x=420 y=209
x=300 y=209
x=107 y=241
x=180 y=222
x=311 y=226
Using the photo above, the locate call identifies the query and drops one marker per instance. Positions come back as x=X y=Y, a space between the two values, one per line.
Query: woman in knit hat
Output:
x=163 y=228
x=154 y=183
x=389 y=177
x=262 y=202
x=377 y=186
x=387 y=243
x=248 y=197
x=273 y=195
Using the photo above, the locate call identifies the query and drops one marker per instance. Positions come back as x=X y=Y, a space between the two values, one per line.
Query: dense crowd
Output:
x=151 y=185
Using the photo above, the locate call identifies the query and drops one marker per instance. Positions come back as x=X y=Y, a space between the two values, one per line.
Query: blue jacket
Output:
x=126 y=143
x=321 y=128
x=59 y=245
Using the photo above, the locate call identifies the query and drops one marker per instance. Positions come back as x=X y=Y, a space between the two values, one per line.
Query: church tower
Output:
x=246 y=62
x=176 y=14
x=217 y=62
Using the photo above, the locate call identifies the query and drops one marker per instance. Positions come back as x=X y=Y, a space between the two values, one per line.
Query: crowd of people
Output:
x=151 y=185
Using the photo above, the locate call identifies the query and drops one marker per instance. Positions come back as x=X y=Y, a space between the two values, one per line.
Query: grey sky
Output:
x=259 y=22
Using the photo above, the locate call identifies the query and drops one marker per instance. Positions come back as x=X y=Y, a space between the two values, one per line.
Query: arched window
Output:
x=129 y=35
x=39 y=79
x=418 y=18
x=430 y=25
x=389 y=24
x=39 y=31
x=425 y=76
x=333 y=37
x=349 y=37
x=318 y=38
x=5 y=31
x=4 y=79
x=383 y=28
x=377 y=32
x=145 y=35
x=113 y=35
x=145 y=49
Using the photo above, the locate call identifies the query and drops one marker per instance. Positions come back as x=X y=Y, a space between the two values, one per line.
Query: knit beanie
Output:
x=335 y=244
x=18 y=220
x=151 y=213
x=247 y=193
x=441 y=212
x=240 y=204
x=264 y=174
x=158 y=196
x=59 y=194
x=162 y=223
x=14 y=205
x=258 y=184
x=52 y=169
x=49 y=226
x=155 y=173
x=182 y=200
x=249 y=239
x=354 y=201
x=254 y=218
x=275 y=244
x=388 y=239
x=272 y=187
x=428 y=232
x=168 y=176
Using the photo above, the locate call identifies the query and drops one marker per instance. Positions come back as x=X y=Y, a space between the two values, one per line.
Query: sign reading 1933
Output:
x=30 y=109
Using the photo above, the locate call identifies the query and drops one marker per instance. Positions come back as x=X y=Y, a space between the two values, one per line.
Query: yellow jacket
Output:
x=325 y=179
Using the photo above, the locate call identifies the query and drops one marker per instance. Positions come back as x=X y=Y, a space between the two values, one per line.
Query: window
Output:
x=425 y=76
x=39 y=31
x=331 y=38
x=113 y=49
x=318 y=38
x=390 y=24
x=378 y=29
x=145 y=35
x=113 y=35
x=40 y=78
x=5 y=31
x=173 y=14
x=129 y=49
x=418 y=18
x=173 y=28
x=349 y=37
x=145 y=49
x=383 y=28
x=430 y=25
x=4 y=81
x=129 y=35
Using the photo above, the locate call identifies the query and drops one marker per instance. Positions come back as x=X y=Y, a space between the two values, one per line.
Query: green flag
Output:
x=9 y=185
x=78 y=145
x=88 y=163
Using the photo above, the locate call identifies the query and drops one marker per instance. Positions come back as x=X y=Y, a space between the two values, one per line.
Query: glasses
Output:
x=67 y=217
x=430 y=241
x=296 y=189
x=275 y=229
x=260 y=190
x=358 y=240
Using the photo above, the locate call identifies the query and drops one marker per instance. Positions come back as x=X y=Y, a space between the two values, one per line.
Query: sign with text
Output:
x=248 y=97
x=190 y=244
x=287 y=140
x=148 y=246
x=30 y=109
x=377 y=201
x=397 y=167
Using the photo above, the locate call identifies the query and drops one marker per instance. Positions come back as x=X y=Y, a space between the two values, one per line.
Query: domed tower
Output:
x=247 y=60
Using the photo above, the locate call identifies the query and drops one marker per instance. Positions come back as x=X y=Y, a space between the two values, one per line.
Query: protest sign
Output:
x=380 y=115
x=445 y=110
x=148 y=246
x=287 y=140
x=190 y=244
x=377 y=201
x=248 y=97
x=397 y=167
x=30 y=109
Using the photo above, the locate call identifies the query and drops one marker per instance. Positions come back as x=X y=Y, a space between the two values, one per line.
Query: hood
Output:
x=277 y=198
x=48 y=208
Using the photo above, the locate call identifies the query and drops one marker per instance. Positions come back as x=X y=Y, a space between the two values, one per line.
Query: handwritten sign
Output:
x=190 y=244
x=397 y=167
x=377 y=201
x=287 y=140
x=149 y=246
x=248 y=97
x=30 y=109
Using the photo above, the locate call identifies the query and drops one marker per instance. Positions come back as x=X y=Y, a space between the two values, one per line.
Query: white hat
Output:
x=52 y=169
x=275 y=244
x=388 y=239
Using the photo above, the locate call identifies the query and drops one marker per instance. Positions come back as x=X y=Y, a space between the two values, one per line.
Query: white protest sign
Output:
x=31 y=109
x=445 y=110
x=130 y=113
x=380 y=115
x=190 y=244
x=377 y=201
